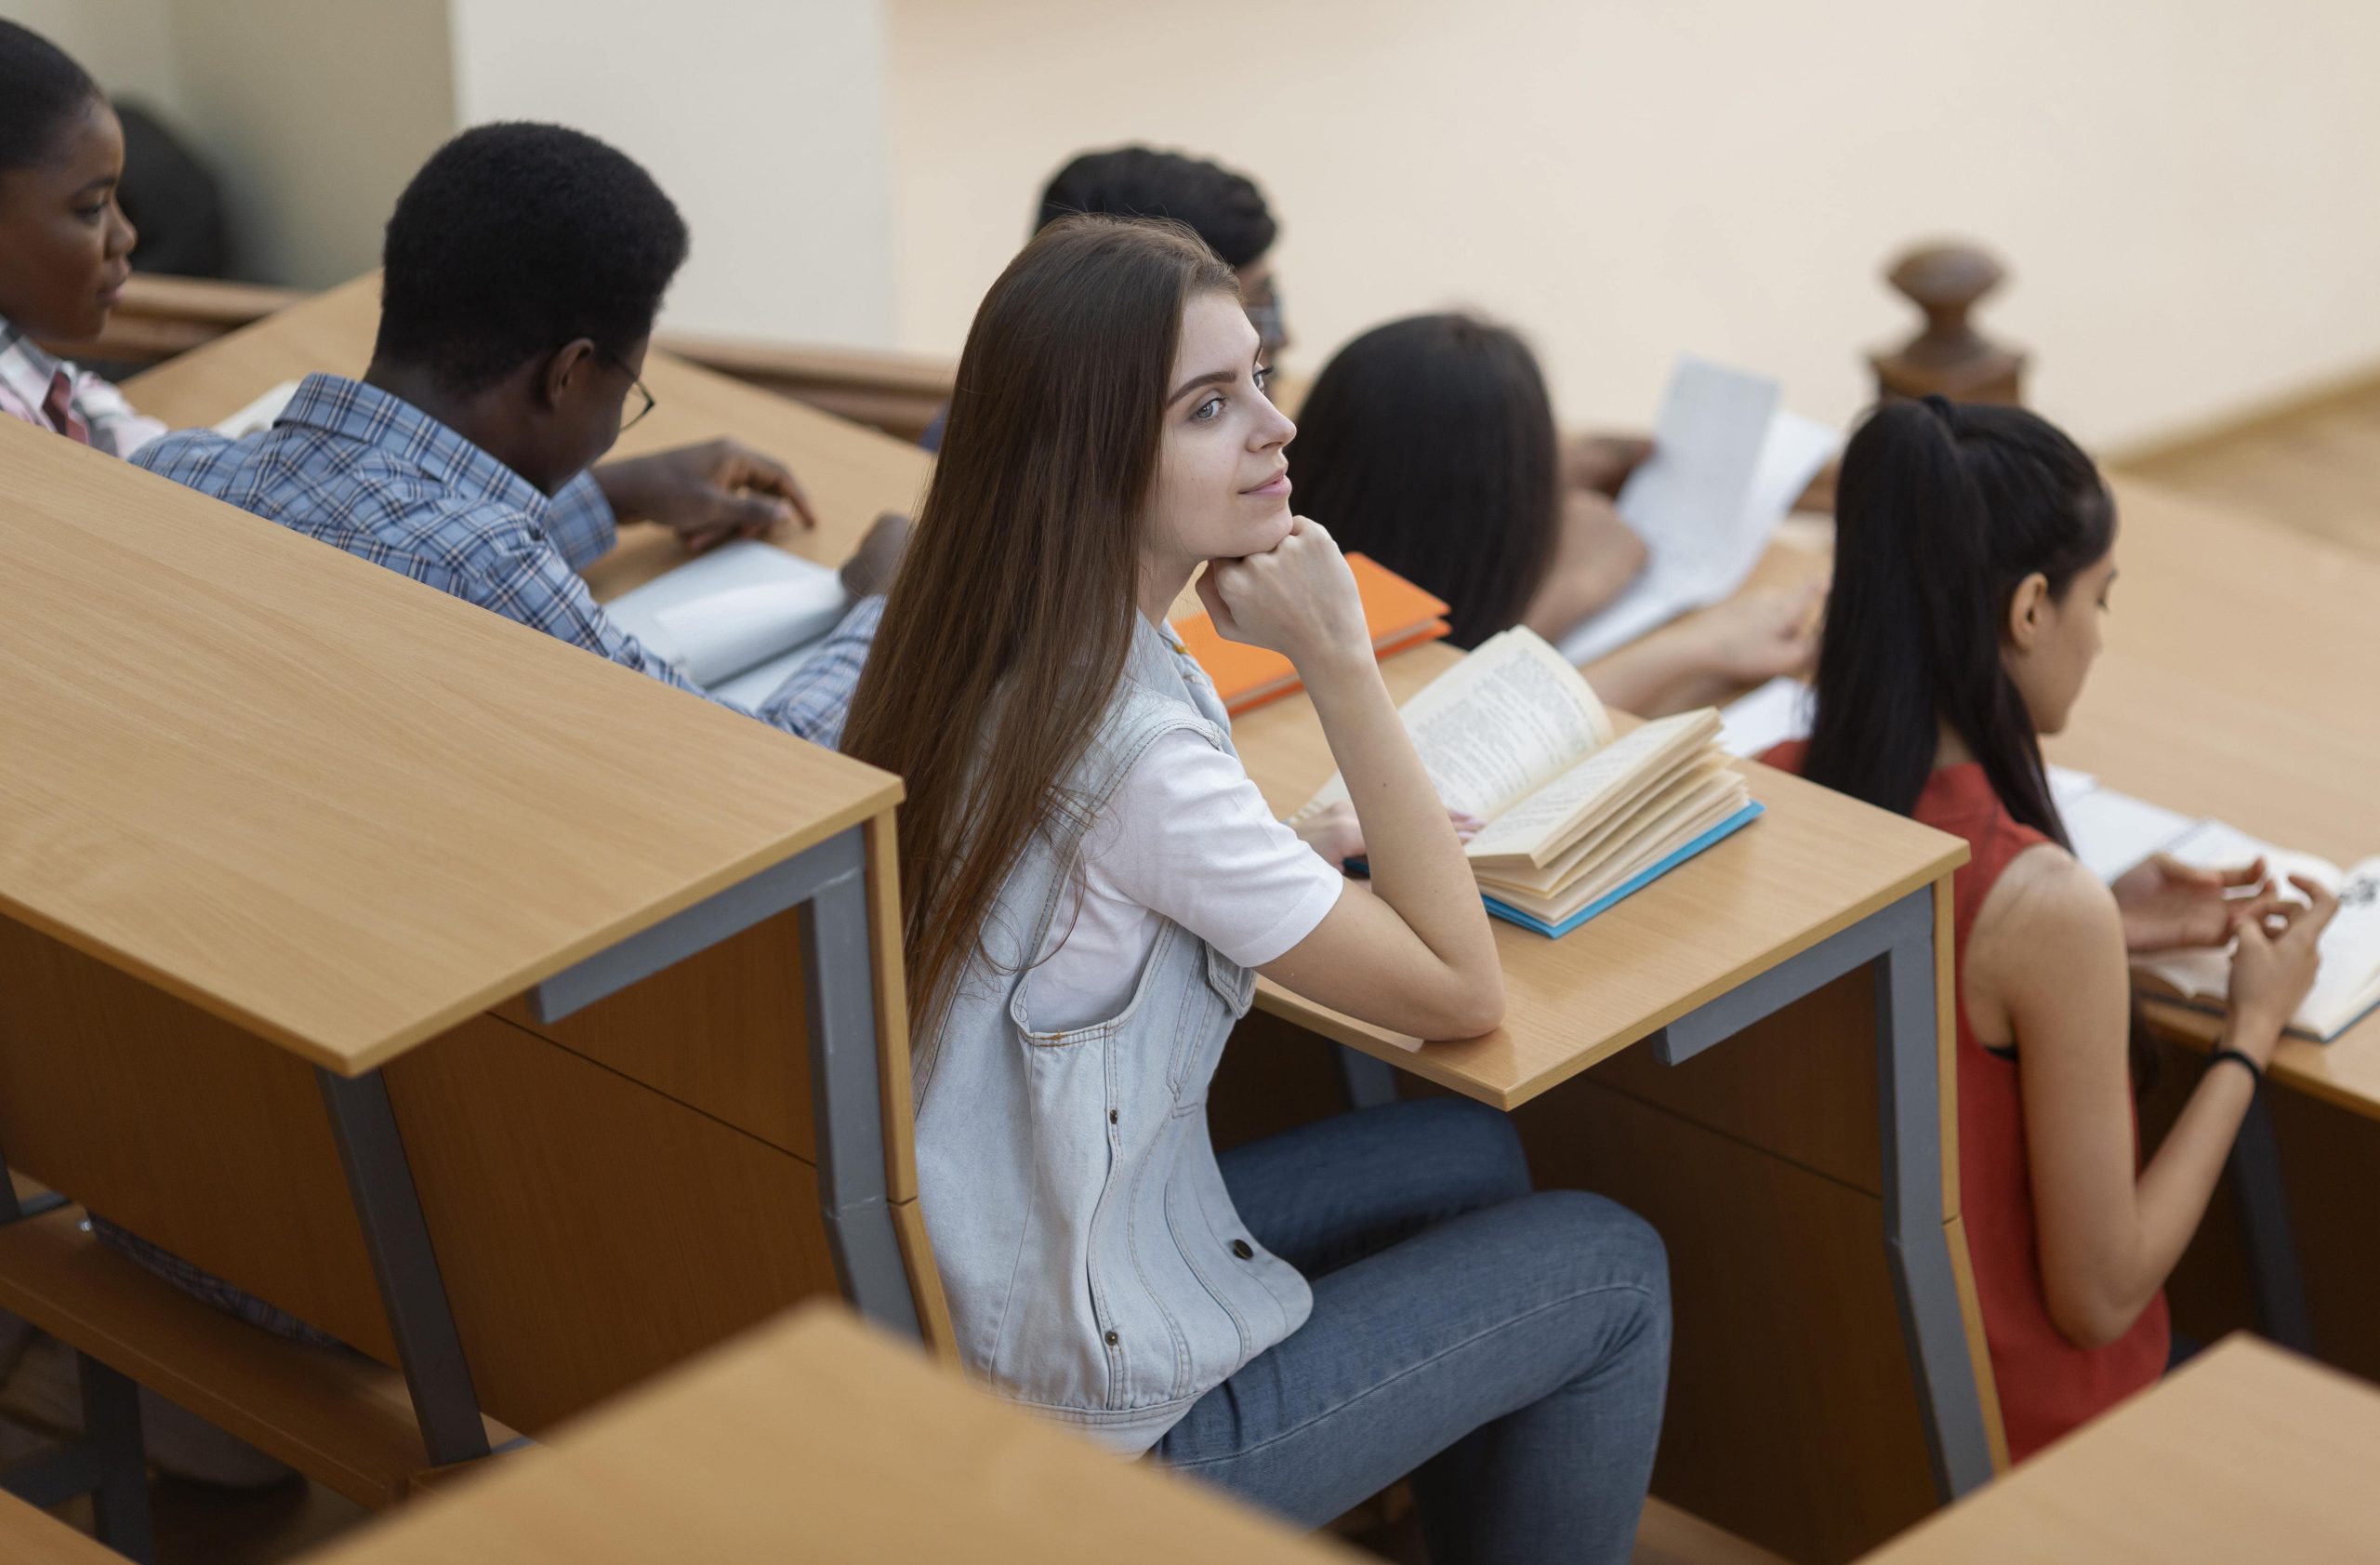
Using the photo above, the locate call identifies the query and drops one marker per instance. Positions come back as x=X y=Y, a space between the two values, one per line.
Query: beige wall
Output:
x=125 y=44
x=763 y=119
x=313 y=114
x=2183 y=188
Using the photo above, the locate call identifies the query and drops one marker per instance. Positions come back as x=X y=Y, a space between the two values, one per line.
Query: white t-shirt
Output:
x=1185 y=837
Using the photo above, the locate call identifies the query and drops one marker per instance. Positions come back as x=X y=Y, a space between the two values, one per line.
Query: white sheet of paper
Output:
x=1726 y=465
x=1776 y=712
x=260 y=414
x=2113 y=832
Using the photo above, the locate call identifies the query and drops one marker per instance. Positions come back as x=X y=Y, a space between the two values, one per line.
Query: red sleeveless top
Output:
x=2047 y=1385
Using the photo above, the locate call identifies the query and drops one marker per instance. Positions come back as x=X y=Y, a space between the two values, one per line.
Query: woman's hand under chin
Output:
x=1297 y=597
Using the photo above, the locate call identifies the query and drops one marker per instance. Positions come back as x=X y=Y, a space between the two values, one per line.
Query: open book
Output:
x=1398 y=614
x=2113 y=832
x=737 y=620
x=1579 y=815
x=1727 y=464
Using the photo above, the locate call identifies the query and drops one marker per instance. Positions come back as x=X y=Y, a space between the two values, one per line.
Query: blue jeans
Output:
x=1508 y=1349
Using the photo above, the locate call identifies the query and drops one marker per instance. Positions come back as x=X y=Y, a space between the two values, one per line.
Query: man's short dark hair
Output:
x=1225 y=209
x=515 y=239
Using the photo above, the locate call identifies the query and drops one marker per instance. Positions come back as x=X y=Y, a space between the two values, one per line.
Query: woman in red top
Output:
x=1974 y=554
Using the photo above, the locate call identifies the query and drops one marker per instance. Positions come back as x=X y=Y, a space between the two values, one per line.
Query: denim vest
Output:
x=1096 y=1270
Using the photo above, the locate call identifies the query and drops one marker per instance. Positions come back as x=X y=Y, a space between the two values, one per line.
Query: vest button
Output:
x=1111 y=1116
x=1111 y=1339
x=1242 y=1248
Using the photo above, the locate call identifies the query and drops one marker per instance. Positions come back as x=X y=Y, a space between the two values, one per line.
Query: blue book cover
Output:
x=1635 y=883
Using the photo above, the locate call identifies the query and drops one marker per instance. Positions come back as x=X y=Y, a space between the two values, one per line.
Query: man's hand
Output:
x=2168 y=905
x=706 y=494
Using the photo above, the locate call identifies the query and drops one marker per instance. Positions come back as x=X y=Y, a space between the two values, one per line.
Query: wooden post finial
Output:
x=1950 y=357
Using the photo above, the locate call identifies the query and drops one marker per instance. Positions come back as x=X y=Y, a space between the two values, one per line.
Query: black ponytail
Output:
x=42 y=91
x=1942 y=513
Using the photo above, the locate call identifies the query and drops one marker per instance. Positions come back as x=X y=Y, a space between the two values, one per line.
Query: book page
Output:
x=1497 y=725
x=2351 y=949
x=1726 y=465
x=740 y=605
x=1534 y=825
x=2112 y=832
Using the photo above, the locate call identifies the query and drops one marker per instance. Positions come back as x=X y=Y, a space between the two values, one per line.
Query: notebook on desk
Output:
x=1398 y=614
x=737 y=620
x=2113 y=833
x=1579 y=817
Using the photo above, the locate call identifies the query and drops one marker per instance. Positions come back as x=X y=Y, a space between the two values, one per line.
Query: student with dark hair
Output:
x=1975 y=550
x=1221 y=208
x=65 y=245
x=1429 y=445
x=1090 y=884
x=523 y=270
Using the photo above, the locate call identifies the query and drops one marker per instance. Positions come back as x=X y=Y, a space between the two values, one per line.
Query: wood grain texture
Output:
x=1814 y=864
x=182 y=1128
x=2277 y=734
x=723 y=1031
x=338 y=807
x=2244 y=1454
x=341 y=1418
x=32 y=1537
x=814 y=1440
x=590 y=1231
x=1792 y=1420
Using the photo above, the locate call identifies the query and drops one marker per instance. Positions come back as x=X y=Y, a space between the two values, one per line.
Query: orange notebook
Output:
x=1399 y=614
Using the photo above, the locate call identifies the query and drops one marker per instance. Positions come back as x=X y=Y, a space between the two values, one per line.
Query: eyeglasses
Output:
x=636 y=384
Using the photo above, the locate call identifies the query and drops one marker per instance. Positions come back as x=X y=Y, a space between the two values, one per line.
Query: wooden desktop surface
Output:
x=2245 y=1453
x=336 y=808
x=1813 y=865
x=2237 y=683
x=814 y=1438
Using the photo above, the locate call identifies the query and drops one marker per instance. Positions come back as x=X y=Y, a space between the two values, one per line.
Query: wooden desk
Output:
x=812 y=1438
x=1845 y=1110
x=335 y=909
x=2246 y=1452
x=2236 y=683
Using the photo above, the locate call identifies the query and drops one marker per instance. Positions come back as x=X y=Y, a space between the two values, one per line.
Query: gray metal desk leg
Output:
x=397 y=1237
x=845 y=1090
x=1916 y=1243
x=2267 y=1233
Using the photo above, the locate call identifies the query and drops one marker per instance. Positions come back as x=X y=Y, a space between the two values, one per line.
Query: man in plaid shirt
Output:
x=522 y=270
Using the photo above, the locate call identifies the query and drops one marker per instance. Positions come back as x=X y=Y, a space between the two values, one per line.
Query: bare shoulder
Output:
x=2048 y=931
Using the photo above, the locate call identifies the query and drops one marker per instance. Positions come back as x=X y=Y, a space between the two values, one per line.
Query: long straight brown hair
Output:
x=1010 y=620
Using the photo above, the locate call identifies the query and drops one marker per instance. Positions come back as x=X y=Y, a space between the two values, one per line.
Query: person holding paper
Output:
x=1975 y=550
x=1429 y=445
x=1090 y=884
x=523 y=270
x=65 y=245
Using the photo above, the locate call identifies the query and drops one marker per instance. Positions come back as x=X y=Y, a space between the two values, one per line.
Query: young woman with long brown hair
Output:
x=1089 y=879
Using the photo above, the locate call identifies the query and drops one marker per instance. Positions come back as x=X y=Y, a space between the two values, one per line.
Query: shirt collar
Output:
x=26 y=368
x=336 y=406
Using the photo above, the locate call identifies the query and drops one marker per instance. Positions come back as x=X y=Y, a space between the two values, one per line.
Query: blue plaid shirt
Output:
x=353 y=466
